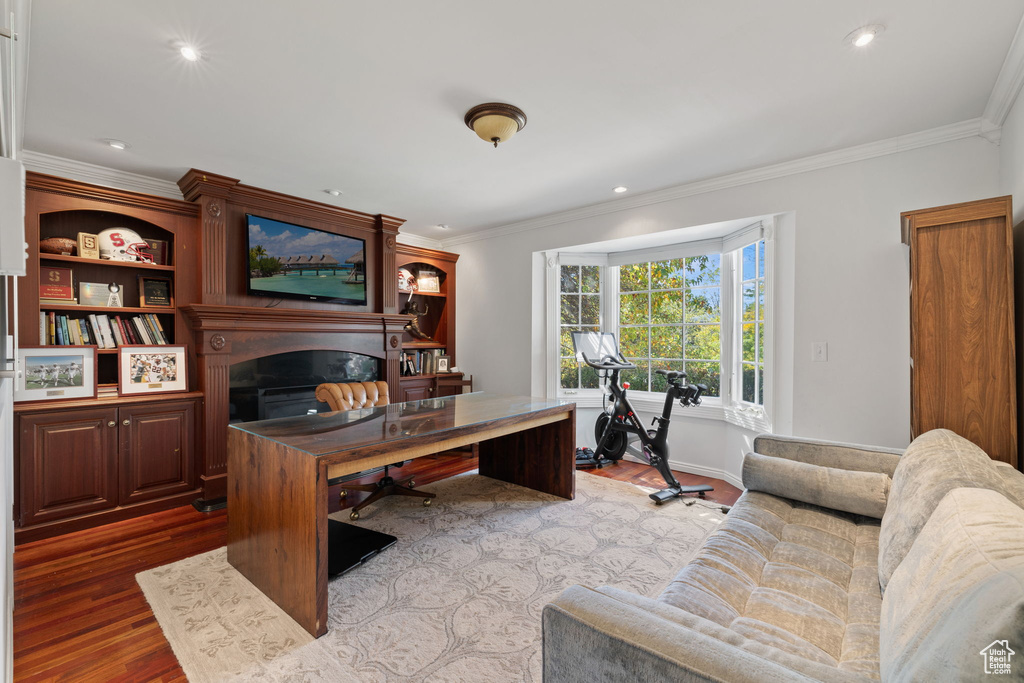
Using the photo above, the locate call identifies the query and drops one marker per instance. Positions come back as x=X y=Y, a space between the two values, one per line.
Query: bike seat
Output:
x=671 y=375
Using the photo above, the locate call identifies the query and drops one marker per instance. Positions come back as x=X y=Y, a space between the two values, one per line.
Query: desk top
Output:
x=329 y=433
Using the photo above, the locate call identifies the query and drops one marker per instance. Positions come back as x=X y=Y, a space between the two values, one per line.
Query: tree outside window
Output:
x=580 y=303
x=670 y=318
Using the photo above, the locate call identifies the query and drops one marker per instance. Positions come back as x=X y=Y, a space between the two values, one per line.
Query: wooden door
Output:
x=962 y=331
x=156 y=450
x=67 y=464
x=414 y=389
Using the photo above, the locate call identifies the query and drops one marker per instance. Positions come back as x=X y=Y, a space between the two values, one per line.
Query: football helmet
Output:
x=123 y=244
x=406 y=281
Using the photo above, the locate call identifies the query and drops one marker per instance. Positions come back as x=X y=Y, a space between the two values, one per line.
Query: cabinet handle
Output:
x=126 y=423
x=111 y=424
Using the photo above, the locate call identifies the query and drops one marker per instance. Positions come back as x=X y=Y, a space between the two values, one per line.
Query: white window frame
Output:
x=728 y=406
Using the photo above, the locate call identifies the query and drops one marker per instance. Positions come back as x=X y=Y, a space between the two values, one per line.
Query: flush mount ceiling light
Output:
x=117 y=144
x=495 y=122
x=333 y=193
x=190 y=53
x=443 y=226
x=864 y=35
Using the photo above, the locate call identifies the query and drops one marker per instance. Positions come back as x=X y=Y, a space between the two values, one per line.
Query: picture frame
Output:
x=159 y=250
x=444 y=364
x=55 y=373
x=94 y=294
x=151 y=370
x=428 y=281
x=88 y=245
x=156 y=292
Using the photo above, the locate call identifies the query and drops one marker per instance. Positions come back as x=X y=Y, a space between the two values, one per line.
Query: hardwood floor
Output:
x=79 y=614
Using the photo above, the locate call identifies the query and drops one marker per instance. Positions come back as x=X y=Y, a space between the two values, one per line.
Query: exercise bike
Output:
x=618 y=429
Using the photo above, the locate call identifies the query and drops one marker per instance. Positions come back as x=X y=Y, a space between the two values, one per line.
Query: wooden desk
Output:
x=278 y=472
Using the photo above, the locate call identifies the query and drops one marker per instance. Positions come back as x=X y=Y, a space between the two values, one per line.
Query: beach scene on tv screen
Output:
x=288 y=259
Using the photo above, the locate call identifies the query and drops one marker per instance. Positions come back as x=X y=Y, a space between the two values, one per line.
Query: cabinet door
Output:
x=417 y=389
x=156 y=450
x=68 y=464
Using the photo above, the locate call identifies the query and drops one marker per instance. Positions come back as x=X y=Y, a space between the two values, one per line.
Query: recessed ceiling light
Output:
x=190 y=53
x=117 y=144
x=443 y=226
x=620 y=189
x=864 y=35
x=333 y=193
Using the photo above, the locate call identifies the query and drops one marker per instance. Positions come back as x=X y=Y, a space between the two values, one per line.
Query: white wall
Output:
x=1011 y=158
x=849 y=286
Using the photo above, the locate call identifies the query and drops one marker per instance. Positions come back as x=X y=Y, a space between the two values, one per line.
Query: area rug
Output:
x=458 y=598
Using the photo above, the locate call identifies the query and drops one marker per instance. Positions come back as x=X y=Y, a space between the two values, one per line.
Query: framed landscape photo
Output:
x=428 y=282
x=151 y=370
x=156 y=292
x=51 y=373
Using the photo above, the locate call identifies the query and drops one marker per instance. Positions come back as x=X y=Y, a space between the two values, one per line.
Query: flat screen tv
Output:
x=290 y=261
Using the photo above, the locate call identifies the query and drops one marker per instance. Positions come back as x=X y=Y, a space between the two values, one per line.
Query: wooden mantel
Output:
x=230 y=326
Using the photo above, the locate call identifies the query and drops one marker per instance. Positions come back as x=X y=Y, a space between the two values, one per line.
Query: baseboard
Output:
x=701 y=470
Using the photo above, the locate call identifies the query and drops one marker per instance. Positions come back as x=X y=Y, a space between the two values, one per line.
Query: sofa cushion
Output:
x=793 y=576
x=959 y=589
x=934 y=464
x=862 y=493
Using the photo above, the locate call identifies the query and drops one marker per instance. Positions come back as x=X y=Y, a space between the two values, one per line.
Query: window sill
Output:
x=753 y=419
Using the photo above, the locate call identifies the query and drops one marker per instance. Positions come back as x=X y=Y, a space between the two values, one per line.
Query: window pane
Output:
x=633 y=342
x=749 y=338
x=566 y=341
x=748 y=382
x=709 y=374
x=658 y=382
x=570 y=310
x=591 y=279
x=570 y=278
x=750 y=262
x=703 y=305
x=569 y=373
x=760 y=258
x=633 y=309
x=590 y=311
x=760 y=342
x=760 y=300
x=666 y=307
x=703 y=342
x=748 y=301
x=760 y=385
x=702 y=271
x=588 y=377
x=667 y=342
x=637 y=378
x=667 y=274
x=633 y=278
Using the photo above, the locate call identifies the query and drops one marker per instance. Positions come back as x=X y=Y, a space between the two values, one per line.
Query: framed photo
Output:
x=151 y=370
x=428 y=282
x=444 y=363
x=156 y=292
x=51 y=373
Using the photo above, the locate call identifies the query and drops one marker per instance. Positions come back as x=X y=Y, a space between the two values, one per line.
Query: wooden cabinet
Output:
x=963 y=375
x=81 y=465
x=417 y=388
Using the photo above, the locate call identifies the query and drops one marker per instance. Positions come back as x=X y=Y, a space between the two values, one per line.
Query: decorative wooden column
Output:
x=387 y=276
x=211 y=192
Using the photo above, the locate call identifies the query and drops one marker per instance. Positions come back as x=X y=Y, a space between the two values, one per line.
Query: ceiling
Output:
x=369 y=97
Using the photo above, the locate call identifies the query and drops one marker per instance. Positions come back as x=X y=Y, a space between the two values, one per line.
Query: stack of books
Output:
x=106 y=332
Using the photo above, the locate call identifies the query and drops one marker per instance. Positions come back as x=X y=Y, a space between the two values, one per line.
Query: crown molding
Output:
x=98 y=175
x=871 y=150
x=1007 y=88
x=418 y=241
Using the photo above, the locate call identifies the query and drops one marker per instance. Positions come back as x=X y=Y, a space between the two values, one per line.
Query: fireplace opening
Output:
x=284 y=385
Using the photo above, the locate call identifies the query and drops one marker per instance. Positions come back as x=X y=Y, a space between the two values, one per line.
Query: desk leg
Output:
x=277 y=524
x=542 y=458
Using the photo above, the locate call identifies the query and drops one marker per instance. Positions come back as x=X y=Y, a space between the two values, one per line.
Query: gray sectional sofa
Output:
x=838 y=563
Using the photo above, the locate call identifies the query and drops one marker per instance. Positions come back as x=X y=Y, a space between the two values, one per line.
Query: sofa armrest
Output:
x=835 y=454
x=591 y=635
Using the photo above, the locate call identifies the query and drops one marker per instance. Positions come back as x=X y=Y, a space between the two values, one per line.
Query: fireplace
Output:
x=284 y=384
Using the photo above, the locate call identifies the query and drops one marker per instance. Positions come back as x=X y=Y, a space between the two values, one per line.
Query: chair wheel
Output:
x=353 y=515
x=426 y=502
x=412 y=483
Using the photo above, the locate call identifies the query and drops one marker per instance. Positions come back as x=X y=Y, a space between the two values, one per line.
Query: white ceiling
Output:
x=368 y=97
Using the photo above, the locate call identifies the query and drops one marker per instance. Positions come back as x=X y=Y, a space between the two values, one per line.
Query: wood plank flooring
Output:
x=80 y=616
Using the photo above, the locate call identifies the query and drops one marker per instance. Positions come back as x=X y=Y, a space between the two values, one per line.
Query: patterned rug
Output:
x=458 y=598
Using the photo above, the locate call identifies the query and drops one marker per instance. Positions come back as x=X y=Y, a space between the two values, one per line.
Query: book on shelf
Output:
x=101 y=330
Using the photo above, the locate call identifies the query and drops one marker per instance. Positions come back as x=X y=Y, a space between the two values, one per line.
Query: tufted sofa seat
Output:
x=838 y=563
x=353 y=395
